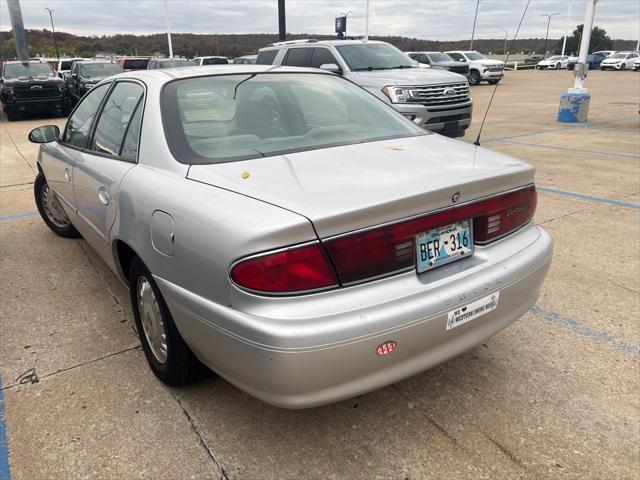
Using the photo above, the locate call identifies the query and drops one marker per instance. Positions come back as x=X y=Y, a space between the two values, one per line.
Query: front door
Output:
x=99 y=170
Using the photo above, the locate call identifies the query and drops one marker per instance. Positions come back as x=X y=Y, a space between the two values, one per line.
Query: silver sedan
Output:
x=289 y=230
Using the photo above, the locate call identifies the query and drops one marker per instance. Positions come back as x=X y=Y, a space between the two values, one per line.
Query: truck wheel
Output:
x=50 y=209
x=474 y=77
x=168 y=355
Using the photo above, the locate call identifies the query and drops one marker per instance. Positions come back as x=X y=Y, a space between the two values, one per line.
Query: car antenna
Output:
x=513 y=42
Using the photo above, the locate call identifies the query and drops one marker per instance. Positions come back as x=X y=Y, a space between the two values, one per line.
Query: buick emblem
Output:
x=449 y=91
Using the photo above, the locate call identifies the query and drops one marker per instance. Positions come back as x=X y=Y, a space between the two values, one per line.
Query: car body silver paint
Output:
x=293 y=351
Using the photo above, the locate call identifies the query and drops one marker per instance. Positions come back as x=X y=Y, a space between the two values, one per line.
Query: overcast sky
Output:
x=429 y=19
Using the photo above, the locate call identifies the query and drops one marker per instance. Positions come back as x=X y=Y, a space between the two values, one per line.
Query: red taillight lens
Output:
x=295 y=270
x=388 y=249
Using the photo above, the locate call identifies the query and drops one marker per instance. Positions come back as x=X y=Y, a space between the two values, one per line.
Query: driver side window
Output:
x=79 y=124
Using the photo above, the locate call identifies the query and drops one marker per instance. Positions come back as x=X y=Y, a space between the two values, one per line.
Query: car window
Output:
x=266 y=57
x=78 y=126
x=129 y=150
x=633 y=55
x=298 y=57
x=115 y=117
x=215 y=61
x=232 y=117
x=321 y=56
x=456 y=56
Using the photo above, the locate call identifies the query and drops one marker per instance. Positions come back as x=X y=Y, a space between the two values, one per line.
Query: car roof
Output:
x=312 y=42
x=20 y=61
x=86 y=62
x=211 y=56
x=167 y=75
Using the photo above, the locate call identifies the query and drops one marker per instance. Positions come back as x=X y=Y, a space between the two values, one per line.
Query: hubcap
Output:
x=52 y=208
x=151 y=320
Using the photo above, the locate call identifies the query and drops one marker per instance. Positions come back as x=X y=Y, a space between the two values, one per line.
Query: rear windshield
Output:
x=215 y=61
x=218 y=119
x=14 y=70
x=133 y=64
x=99 y=70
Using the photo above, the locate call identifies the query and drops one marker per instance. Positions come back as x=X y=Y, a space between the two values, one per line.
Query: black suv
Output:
x=86 y=73
x=31 y=85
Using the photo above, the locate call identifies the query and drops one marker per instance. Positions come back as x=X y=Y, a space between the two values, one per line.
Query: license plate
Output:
x=443 y=245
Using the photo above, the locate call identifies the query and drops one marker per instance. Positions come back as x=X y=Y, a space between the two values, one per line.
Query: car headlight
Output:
x=397 y=94
x=8 y=90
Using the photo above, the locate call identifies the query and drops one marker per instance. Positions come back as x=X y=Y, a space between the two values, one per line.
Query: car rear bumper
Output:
x=318 y=359
x=438 y=119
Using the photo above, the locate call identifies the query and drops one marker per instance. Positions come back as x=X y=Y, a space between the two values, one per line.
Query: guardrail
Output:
x=513 y=66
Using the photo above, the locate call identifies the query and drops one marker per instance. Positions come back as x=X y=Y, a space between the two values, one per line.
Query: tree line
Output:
x=40 y=42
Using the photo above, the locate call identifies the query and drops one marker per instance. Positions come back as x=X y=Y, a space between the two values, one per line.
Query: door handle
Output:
x=103 y=195
x=67 y=175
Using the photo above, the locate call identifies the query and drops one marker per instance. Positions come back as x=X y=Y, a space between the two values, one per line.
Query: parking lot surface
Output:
x=555 y=395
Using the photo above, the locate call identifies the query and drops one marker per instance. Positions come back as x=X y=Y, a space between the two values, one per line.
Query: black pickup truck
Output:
x=29 y=86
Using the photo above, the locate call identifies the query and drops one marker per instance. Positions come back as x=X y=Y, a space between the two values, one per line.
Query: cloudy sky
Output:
x=431 y=19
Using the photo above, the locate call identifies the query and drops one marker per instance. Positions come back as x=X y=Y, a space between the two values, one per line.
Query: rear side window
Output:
x=215 y=61
x=456 y=56
x=266 y=57
x=298 y=57
x=77 y=131
x=321 y=56
x=115 y=117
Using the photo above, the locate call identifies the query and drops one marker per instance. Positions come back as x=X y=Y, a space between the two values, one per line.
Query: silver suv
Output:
x=434 y=99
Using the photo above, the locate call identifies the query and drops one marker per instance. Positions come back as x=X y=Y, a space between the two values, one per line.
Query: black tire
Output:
x=181 y=366
x=602 y=68
x=558 y=66
x=474 y=77
x=11 y=114
x=493 y=82
x=62 y=230
x=622 y=66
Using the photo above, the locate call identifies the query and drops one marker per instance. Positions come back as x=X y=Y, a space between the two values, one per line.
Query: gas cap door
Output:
x=162 y=232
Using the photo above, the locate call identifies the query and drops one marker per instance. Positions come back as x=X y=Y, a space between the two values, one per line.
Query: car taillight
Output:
x=294 y=270
x=391 y=248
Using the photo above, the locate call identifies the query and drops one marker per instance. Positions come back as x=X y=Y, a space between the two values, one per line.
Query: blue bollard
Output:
x=574 y=107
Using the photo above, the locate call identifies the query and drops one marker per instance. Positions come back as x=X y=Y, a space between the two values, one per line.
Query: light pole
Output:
x=566 y=30
x=166 y=23
x=473 y=32
x=544 y=54
x=506 y=35
x=55 y=43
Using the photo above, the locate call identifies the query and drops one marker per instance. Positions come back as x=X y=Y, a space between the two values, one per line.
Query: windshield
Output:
x=136 y=64
x=374 y=56
x=475 y=56
x=619 y=55
x=439 y=57
x=237 y=117
x=175 y=63
x=555 y=57
x=15 y=70
x=99 y=70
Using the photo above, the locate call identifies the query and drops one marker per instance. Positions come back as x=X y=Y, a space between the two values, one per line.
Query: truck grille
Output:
x=40 y=91
x=436 y=95
x=496 y=68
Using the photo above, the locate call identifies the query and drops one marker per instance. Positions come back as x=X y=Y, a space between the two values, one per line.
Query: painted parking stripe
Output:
x=577 y=150
x=15 y=216
x=5 y=472
x=574 y=325
x=590 y=198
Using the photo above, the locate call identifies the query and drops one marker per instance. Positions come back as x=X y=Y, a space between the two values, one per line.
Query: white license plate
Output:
x=443 y=245
x=473 y=310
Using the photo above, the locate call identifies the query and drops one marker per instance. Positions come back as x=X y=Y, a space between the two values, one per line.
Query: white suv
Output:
x=480 y=67
x=437 y=100
x=211 y=60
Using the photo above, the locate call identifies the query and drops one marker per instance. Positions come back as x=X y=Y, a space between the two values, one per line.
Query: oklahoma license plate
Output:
x=443 y=245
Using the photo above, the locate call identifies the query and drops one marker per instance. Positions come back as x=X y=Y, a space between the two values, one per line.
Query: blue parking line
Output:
x=590 y=198
x=5 y=472
x=558 y=319
x=15 y=216
x=577 y=150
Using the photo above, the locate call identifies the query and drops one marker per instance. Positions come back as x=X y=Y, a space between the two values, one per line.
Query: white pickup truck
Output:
x=480 y=67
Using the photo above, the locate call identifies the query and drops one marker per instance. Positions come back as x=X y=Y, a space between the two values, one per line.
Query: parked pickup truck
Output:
x=32 y=85
x=86 y=73
x=434 y=99
x=440 y=60
x=480 y=67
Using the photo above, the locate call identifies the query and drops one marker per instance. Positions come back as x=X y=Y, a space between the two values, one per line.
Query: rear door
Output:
x=112 y=151
x=298 y=57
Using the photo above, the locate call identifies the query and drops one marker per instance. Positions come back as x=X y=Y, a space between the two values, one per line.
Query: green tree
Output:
x=599 y=41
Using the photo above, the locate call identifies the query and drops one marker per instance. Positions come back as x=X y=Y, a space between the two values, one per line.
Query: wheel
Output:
x=602 y=68
x=622 y=66
x=168 y=355
x=558 y=66
x=11 y=114
x=51 y=209
x=474 y=77
x=493 y=82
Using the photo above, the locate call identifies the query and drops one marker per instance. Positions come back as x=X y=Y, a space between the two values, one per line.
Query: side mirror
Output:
x=331 y=67
x=44 y=134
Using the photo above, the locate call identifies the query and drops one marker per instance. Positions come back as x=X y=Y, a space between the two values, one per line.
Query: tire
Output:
x=474 y=77
x=170 y=360
x=11 y=114
x=493 y=82
x=602 y=68
x=558 y=66
x=622 y=66
x=51 y=210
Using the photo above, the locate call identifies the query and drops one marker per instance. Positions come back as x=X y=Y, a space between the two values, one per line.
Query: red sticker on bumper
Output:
x=386 y=348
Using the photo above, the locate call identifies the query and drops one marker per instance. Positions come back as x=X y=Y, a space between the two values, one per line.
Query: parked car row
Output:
x=602 y=59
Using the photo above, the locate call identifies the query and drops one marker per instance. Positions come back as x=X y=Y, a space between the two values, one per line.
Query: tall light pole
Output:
x=366 y=21
x=544 y=54
x=166 y=22
x=55 y=43
x=473 y=32
x=506 y=35
x=566 y=29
